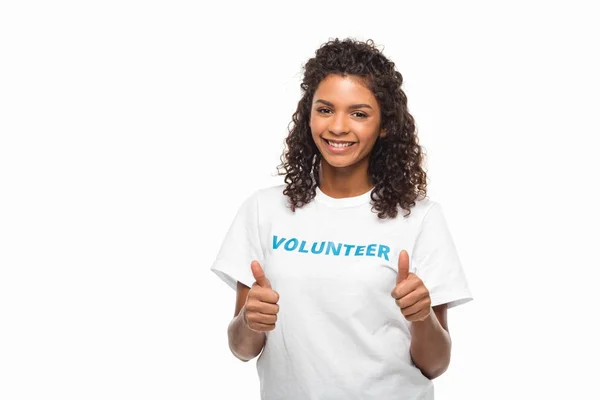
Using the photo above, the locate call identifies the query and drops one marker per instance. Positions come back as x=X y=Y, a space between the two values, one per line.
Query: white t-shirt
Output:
x=339 y=333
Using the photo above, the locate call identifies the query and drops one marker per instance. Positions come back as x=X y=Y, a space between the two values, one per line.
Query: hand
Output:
x=410 y=292
x=260 y=310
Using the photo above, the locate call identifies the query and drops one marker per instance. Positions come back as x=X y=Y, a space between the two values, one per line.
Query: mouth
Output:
x=338 y=145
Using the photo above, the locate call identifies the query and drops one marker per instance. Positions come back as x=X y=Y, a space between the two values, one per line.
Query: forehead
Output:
x=344 y=90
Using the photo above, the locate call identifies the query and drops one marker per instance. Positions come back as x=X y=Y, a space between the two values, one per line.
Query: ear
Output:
x=382 y=133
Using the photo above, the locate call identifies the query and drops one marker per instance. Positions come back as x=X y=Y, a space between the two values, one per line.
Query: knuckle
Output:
x=256 y=290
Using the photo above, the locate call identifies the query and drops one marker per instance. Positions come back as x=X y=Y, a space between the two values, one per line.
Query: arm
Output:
x=431 y=345
x=244 y=343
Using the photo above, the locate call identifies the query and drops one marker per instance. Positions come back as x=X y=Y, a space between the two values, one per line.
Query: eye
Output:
x=359 y=114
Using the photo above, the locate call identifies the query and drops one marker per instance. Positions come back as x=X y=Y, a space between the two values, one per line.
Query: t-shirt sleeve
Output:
x=240 y=246
x=435 y=261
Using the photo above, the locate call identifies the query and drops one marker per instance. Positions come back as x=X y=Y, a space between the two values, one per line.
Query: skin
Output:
x=255 y=313
x=334 y=117
x=430 y=344
x=345 y=110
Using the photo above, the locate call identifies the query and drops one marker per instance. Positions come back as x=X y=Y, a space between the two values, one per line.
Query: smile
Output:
x=338 y=146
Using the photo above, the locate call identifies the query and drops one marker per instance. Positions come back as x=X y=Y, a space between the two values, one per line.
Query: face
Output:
x=344 y=121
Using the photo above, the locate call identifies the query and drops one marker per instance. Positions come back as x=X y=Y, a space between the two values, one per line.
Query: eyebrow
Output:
x=351 y=107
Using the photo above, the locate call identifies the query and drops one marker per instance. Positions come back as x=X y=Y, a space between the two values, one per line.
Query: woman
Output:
x=344 y=274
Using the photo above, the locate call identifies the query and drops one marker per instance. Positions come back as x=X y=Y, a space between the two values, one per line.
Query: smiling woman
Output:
x=352 y=93
x=345 y=123
x=326 y=293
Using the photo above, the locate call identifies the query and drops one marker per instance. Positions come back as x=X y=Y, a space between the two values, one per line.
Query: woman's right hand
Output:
x=260 y=310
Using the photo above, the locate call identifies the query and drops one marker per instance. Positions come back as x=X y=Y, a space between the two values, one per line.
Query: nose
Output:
x=338 y=124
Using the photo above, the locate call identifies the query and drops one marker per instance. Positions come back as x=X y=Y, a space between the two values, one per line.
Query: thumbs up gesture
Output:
x=410 y=292
x=260 y=310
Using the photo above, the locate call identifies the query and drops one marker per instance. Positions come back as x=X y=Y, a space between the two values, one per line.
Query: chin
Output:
x=338 y=163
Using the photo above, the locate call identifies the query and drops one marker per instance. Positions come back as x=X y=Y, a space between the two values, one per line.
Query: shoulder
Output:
x=431 y=219
x=423 y=207
x=262 y=204
x=268 y=197
x=269 y=194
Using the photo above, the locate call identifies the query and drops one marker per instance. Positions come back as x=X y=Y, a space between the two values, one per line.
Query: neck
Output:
x=344 y=182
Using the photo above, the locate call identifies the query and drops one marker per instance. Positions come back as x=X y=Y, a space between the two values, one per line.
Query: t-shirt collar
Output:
x=364 y=198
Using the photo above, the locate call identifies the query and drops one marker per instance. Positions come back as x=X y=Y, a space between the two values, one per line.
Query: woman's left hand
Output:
x=410 y=292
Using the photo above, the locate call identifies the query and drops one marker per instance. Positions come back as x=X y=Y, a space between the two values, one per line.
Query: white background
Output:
x=132 y=131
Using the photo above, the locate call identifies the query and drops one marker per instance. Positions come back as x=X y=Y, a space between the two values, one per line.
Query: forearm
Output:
x=244 y=343
x=430 y=346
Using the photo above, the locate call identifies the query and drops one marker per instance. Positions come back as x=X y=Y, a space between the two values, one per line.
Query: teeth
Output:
x=339 y=145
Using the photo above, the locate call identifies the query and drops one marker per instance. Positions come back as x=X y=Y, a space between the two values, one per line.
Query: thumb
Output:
x=259 y=275
x=402 y=266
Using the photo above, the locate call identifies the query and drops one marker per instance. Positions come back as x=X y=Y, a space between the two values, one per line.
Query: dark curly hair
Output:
x=395 y=161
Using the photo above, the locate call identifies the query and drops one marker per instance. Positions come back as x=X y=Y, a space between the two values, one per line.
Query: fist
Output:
x=260 y=310
x=410 y=292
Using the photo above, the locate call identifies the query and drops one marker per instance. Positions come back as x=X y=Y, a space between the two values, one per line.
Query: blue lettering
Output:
x=371 y=250
x=359 y=251
x=330 y=248
x=315 y=251
x=383 y=251
x=302 y=249
x=348 y=248
x=289 y=246
x=276 y=243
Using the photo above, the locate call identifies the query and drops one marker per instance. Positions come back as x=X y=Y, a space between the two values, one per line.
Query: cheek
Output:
x=368 y=137
x=313 y=123
x=315 y=127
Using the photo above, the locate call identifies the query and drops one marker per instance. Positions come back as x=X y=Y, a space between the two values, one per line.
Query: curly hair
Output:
x=395 y=160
